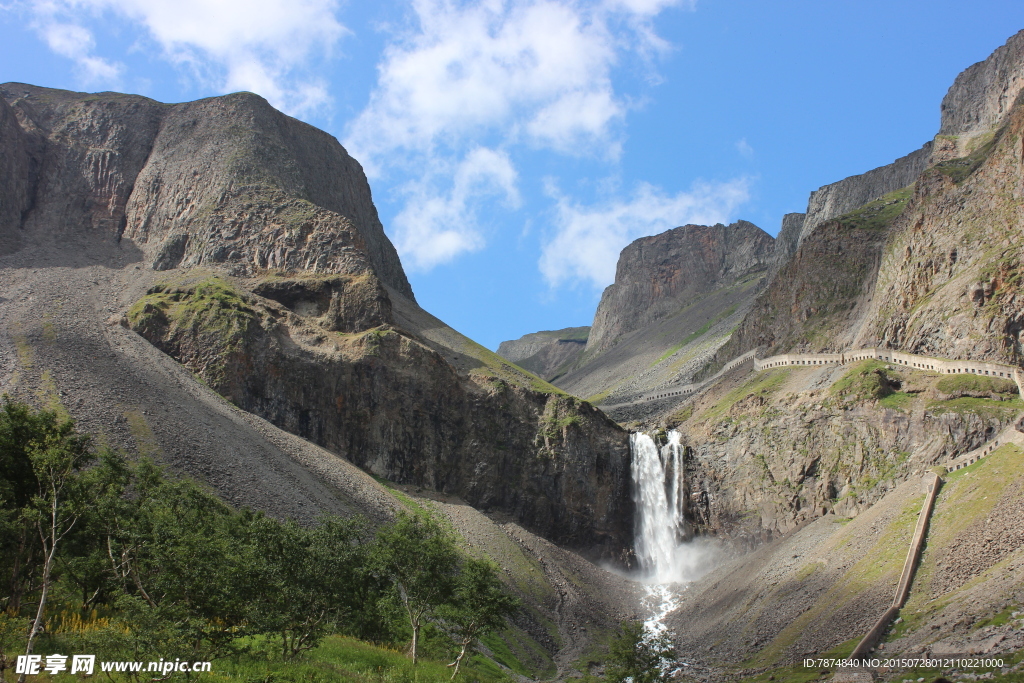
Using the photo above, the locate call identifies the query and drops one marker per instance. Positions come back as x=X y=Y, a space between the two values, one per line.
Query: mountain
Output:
x=929 y=245
x=675 y=298
x=208 y=283
x=547 y=354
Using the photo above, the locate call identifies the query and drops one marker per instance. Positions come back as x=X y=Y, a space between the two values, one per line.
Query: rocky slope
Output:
x=675 y=298
x=656 y=276
x=547 y=354
x=816 y=592
x=939 y=247
x=248 y=249
x=772 y=451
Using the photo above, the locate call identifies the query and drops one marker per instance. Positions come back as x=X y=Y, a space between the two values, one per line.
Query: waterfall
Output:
x=659 y=496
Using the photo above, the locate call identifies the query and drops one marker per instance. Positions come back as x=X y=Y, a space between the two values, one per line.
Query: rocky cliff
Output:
x=224 y=182
x=547 y=354
x=976 y=104
x=982 y=95
x=658 y=275
x=675 y=298
x=938 y=246
x=248 y=249
x=18 y=170
x=836 y=199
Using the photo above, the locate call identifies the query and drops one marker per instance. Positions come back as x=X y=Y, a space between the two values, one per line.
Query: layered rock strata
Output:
x=658 y=275
x=249 y=243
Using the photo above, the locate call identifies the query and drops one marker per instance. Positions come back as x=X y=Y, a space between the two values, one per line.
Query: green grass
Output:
x=765 y=382
x=866 y=380
x=897 y=401
x=959 y=169
x=337 y=658
x=976 y=383
x=347 y=659
x=879 y=213
x=145 y=440
x=968 y=495
x=883 y=562
x=699 y=333
x=984 y=407
x=212 y=308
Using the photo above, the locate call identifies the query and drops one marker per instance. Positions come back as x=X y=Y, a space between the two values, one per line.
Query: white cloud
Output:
x=77 y=44
x=588 y=239
x=493 y=66
x=436 y=224
x=258 y=45
x=497 y=73
x=744 y=148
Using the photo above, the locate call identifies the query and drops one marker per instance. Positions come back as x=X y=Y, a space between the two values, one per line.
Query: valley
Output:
x=746 y=424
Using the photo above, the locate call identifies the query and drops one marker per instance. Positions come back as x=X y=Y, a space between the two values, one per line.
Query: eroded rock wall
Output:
x=227 y=181
x=949 y=284
x=838 y=198
x=397 y=408
x=17 y=178
x=983 y=94
x=656 y=276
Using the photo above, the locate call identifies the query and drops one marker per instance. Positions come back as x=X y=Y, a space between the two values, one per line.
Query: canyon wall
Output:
x=258 y=262
x=656 y=276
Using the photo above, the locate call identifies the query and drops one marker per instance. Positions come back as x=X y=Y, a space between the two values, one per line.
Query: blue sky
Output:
x=513 y=148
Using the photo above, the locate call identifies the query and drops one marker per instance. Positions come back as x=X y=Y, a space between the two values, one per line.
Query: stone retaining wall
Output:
x=910 y=360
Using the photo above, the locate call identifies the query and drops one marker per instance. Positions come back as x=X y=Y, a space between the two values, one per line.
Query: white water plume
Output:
x=659 y=490
x=666 y=559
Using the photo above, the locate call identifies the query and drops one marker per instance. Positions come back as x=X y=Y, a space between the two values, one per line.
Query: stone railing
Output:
x=687 y=389
x=910 y=360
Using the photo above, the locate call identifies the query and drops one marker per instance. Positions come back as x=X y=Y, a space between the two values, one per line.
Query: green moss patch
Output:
x=976 y=383
x=764 y=383
x=880 y=213
x=983 y=407
x=866 y=380
x=959 y=169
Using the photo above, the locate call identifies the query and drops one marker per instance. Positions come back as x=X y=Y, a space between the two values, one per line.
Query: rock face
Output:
x=547 y=354
x=268 y=275
x=788 y=238
x=978 y=102
x=839 y=198
x=927 y=268
x=982 y=95
x=658 y=275
x=800 y=443
x=949 y=281
x=397 y=408
x=227 y=181
x=17 y=177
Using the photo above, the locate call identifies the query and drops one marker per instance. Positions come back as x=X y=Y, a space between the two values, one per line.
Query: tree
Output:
x=479 y=606
x=421 y=561
x=57 y=455
x=310 y=578
x=639 y=655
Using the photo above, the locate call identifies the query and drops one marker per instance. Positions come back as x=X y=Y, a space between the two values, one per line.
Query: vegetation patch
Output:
x=880 y=213
x=699 y=333
x=763 y=384
x=882 y=562
x=897 y=400
x=983 y=407
x=959 y=169
x=976 y=384
x=866 y=380
x=211 y=310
